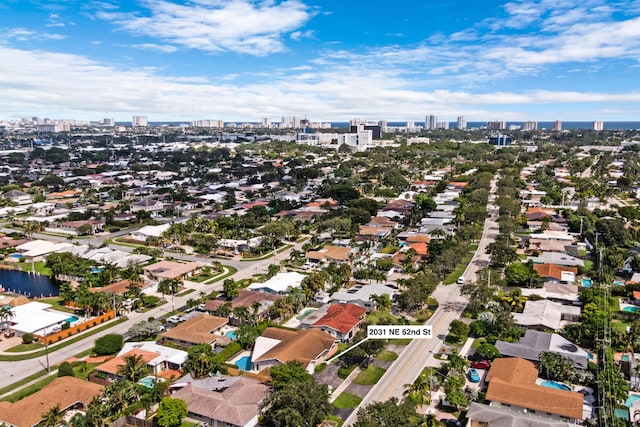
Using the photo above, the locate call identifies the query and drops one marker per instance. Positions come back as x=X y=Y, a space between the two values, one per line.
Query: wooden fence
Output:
x=76 y=329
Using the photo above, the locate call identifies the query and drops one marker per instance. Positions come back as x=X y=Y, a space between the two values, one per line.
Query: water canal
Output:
x=28 y=284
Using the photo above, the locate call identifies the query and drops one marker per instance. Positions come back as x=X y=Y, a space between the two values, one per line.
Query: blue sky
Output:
x=331 y=60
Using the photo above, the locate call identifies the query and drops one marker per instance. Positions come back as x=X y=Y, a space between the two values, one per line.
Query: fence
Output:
x=66 y=333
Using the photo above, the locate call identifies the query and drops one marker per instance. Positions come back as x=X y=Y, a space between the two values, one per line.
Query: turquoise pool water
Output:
x=587 y=282
x=72 y=319
x=148 y=382
x=591 y=357
x=631 y=309
x=632 y=398
x=621 y=413
x=231 y=335
x=556 y=385
x=244 y=363
x=618 y=282
x=625 y=357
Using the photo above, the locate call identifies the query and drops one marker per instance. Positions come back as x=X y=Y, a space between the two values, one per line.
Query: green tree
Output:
x=288 y=373
x=419 y=392
x=389 y=413
x=171 y=412
x=54 y=417
x=297 y=405
x=230 y=288
x=108 y=344
x=65 y=370
x=134 y=368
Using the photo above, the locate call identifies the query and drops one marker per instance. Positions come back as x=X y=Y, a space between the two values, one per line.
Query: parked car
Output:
x=176 y=319
x=10 y=333
x=460 y=280
x=474 y=377
x=481 y=364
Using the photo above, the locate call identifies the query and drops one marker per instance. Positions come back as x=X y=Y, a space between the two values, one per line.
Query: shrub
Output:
x=320 y=367
x=65 y=370
x=27 y=338
x=108 y=344
x=345 y=370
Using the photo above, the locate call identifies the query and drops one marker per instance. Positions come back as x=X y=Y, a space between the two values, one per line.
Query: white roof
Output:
x=169 y=354
x=280 y=282
x=35 y=316
x=363 y=292
x=41 y=247
x=262 y=345
x=153 y=230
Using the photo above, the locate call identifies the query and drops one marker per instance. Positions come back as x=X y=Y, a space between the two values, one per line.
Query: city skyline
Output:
x=331 y=61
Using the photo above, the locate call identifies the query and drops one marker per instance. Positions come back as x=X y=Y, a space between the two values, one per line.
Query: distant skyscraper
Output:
x=443 y=125
x=497 y=125
x=462 y=122
x=557 y=125
x=266 y=122
x=530 y=125
x=383 y=125
x=431 y=122
x=109 y=122
x=139 y=121
x=598 y=125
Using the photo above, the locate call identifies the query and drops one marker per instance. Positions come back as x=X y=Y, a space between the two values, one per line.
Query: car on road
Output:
x=480 y=364
x=176 y=319
x=460 y=280
x=474 y=377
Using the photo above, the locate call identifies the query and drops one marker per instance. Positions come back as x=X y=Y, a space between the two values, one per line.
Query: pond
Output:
x=29 y=284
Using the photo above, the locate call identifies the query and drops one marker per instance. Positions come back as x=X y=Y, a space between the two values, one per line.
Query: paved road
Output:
x=413 y=358
x=10 y=372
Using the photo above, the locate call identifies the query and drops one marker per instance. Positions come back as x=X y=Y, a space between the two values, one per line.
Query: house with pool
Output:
x=39 y=318
x=162 y=361
x=202 y=329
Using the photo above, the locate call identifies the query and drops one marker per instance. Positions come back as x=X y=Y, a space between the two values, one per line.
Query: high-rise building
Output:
x=598 y=125
x=557 y=125
x=497 y=125
x=266 y=122
x=383 y=125
x=208 y=123
x=139 y=121
x=443 y=125
x=109 y=122
x=431 y=122
x=462 y=122
x=530 y=125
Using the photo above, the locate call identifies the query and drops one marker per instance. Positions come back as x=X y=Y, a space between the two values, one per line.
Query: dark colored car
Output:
x=480 y=364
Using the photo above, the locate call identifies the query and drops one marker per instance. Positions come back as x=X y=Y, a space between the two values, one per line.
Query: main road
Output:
x=413 y=358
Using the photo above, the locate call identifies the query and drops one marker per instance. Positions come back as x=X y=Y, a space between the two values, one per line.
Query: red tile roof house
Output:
x=556 y=273
x=341 y=321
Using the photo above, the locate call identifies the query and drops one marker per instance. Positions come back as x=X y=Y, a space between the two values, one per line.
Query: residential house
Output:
x=556 y=273
x=552 y=235
x=279 y=284
x=160 y=360
x=261 y=302
x=557 y=258
x=149 y=231
x=171 y=270
x=278 y=346
x=202 y=329
x=77 y=228
x=66 y=392
x=148 y=204
x=532 y=197
x=222 y=401
x=556 y=292
x=535 y=343
x=341 y=321
x=361 y=294
x=368 y=232
x=512 y=385
x=18 y=197
x=480 y=415
x=545 y=314
x=328 y=254
x=544 y=245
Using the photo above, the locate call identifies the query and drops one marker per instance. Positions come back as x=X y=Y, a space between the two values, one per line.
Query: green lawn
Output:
x=57 y=304
x=381 y=317
x=369 y=376
x=38 y=267
x=402 y=341
x=347 y=401
x=186 y=292
x=459 y=271
x=336 y=419
x=24 y=347
x=476 y=342
x=387 y=356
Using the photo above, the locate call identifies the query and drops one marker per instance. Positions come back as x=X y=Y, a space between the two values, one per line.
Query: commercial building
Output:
x=598 y=125
x=462 y=122
x=431 y=122
x=139 y=121
x=557 y=125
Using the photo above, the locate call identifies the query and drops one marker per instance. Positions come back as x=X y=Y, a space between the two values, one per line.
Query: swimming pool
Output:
x=632 y=398
x=618 y=282
x=231 y=335
x=556 y=385
x=631 y=309
x=587 y=282
x=244 y=363
x=72 y=319
x=148 y=382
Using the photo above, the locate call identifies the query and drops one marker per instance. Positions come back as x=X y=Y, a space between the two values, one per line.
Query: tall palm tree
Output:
x=134 y=368
x=419 y=391
x=6 y=314
x=54 y=417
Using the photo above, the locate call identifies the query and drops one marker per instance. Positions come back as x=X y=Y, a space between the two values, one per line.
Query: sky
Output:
x=328 y=60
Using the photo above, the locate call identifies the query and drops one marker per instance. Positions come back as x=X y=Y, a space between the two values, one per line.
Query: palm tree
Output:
x=419 y=391
x=54 y=417
x=383 y=302
x=431 y=420
x=168 y=286
x=6 y=314
x=134 y=368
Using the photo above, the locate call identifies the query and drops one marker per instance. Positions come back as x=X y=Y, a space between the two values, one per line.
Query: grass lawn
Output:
x=476 y=343
x=387 y=356
x=38 y=267
x=347 y=401
x=336 y=419
x=459 y=271
x=57 y=304
x=369 y=376
x=588 y=265
x=402 y=341
x=187 y=292
x=82 y=370
x=24 y=347
x=377 y=317
x=619 y=325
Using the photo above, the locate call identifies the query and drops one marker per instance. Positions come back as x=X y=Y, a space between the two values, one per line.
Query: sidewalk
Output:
x=346 y=383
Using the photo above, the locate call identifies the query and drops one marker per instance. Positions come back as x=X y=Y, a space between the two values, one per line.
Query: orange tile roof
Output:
x=636 y=294
x=420 y=248
x=63 y=391
x=337 y=253
x=303 y=346
x=197 y=330
x=512 y=381
x=341 y=317
x=111 y=366
x=118 y=288
x=459 y=183
x=553 y=270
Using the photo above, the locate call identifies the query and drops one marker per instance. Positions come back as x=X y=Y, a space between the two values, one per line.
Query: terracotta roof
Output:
x=341 y=317
x=420 y=248
x=512 y=381
x=372 y=230
x=337 y=253
x=636 y=294
x=552 y=270
x=246 y=298
x=63 y=391
x=111 y=366
x=197 y=330
x=235 y=405
x=303 y=346
x=458 y=183
x=118 y=288
x=422 y=238
x=170 y=269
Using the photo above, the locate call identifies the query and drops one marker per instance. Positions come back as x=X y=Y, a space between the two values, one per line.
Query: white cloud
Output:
x=244 y=26
x=45 y=83
x=156 y=47
x=24 y=34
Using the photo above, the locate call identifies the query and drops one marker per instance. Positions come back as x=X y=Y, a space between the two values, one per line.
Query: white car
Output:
x=176 y=319
x=460 y=280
